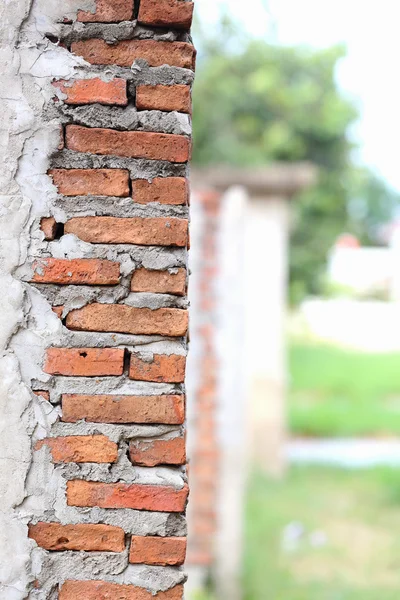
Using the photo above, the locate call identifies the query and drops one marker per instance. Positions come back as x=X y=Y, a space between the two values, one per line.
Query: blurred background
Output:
x=294 y=367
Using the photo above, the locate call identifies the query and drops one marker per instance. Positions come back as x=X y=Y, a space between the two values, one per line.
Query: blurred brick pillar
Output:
x=202 y=386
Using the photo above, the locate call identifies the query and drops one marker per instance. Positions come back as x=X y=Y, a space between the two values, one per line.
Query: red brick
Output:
x=164 y=97
x=84 y=362
x=58 y=310
x=158 y=452
x=100 y=182
x=159 y=282
x=124 y=53
x=165 y=190
x=87 y=271
x=81 y=449
x=157 y=550
x=158 y=498
x=108 y=11
x=132 y=144
x=119 y=318
x=43 y=394
x=168 y=410
x=151 y=231
x=49 y=227
x=102 y=590
x=163 y=368
x=164 y=13
x=87 y=537
x=88 y=91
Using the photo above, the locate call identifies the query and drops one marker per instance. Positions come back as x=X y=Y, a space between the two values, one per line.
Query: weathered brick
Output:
x=132 y=144
x=119 y=318
x=162 y=368
x=84 y=362
x=108 y=11
x=124 y=53
x=168 y=410
x=58 y=310
x=102 y=590
x=43 y=393
x=159 y=282
x=165 y=190
x=89 y=91
x=81 y=449
x=49 y=227
x=87 y=271
x=151 y=231
x=158 y=498
x=164 y=13
x=164 y=97
x=100 y=182
x=161 y=551
x=149 y=453
x=87 y=537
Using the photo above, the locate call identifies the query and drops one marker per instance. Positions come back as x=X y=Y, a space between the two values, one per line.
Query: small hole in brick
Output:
x=62 y=540
x=59 y=231
x=83 y=354
x=127 y=362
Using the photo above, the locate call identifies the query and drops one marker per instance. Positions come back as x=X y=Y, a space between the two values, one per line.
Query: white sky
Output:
x=370 y=73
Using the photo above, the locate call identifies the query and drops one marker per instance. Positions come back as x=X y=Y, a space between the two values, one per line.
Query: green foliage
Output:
x=255 y=103
x=334 y=392
x=354 y=513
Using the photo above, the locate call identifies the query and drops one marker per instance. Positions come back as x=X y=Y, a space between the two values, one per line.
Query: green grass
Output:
x=358 y=515
x=337 y=392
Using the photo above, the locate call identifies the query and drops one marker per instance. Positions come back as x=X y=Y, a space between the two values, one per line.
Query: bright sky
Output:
x=370 y=73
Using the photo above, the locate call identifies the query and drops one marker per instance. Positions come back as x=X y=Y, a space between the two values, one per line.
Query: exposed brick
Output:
x=119 y=318
x=81 y=449
x=165 y=190
x=161 y=551
x=88 y=91
x=100 y=182
x=162 y=368
x=168 y=410
x=149 y=453
x=159 y=282
x=164 y=97
x=156 y=231
x=43 y=394
x=87 y=271
x=84 y=362
x=108 y=11
x=132 y=144
x=49 y=227
x=164 y=13
x=58 y=310
x=87 y=537
x=158 y=498
x=124 y=53
x=102 y=590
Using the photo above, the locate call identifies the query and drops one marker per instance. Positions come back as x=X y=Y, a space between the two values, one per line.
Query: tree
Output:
x=255 y=103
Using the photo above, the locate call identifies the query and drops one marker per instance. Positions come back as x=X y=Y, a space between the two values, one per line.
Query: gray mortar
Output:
x=145 y=344
x=139 y=168
x=82 y=206
x=134 y=522
x=115 y=32
x=117 y=433
x=123 y=118
x=139 y=74
x=104 y=385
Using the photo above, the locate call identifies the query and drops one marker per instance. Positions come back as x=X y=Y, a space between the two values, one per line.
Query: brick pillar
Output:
x=100 y=340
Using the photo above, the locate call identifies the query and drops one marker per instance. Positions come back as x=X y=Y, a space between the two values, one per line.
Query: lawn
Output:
x=323 y=534
x=338 y=392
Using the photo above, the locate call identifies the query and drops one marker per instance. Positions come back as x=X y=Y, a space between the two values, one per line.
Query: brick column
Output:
x=107 y=277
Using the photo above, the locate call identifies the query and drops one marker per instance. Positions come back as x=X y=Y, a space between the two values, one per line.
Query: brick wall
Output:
x=112 y=263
